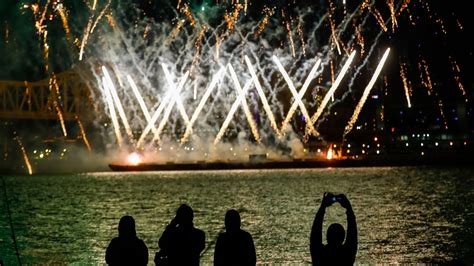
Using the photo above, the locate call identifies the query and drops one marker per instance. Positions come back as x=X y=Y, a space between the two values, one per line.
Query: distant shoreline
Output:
x=453 y=160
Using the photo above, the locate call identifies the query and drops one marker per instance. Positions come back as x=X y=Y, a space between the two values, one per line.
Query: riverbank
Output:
x=366 y=161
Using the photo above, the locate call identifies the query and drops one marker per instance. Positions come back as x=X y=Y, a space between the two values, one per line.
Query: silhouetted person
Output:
x=127 y=248
x=335 y=252
x=180 y=241
x=235 y=246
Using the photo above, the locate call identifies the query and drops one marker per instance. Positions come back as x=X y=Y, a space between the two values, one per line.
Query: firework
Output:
x=391 y=6
x=299 y=95
x=83 y=134
x=175 y=95
x=178 y=98
x=240 y=100
x=189 y=127
x=425 y=76
x=268 y=13
x=406 y=84
x=101 y=14
x=62 y=13
x=366 y=93
x=196 y=41
x=263 y=98
x=333 y=88
x=142 y=104
x=25 y=156
x=441 y=112
x=172 y=102
x=290 y=37
x=186 y=10
x=54 y=90
x=113 y=115
x=118 y=104
x=85 y=38
x=457 y=72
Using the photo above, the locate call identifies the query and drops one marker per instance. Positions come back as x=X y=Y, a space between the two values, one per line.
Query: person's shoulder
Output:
x=114 y=241
x=197 y=230
x=245 y=233
x=221 y=237
x=199 y=233
x=141 y=242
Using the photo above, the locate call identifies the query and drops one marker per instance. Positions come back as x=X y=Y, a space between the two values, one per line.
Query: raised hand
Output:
x=342 y=199
x=328 y=199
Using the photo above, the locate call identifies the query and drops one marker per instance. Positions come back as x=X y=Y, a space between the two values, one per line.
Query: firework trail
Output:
x=333 y=88
x=84 y=40
x=240 y=100
x=196 y=113
x=112 y=113
x=175 y=96
x=457 y=73
x=54 y=90
x=425 y=76
x=366 y=93
x=25 y=156
x=178 y=98
x=296 y=95
x=406 y=83
x=62 y=13
x=141 y=102
x=118 y=103
x=83 y=134
x=263 y=98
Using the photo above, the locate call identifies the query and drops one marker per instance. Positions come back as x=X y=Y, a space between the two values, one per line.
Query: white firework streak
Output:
x=333 y=88
x=113 y=115
x=189 y=128
x=173 y=100
x=139 y=97
x=178 y=99
x=406 y=84
x=298 y=96
x=367 y=90
x=155 y=116
x=85 y=38
x=118 y=104
x=240 y=100
x=262 y=97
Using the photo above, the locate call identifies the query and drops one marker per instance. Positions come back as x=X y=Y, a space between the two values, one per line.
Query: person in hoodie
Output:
x=181 y=242
x=127 y=248
x=235 y=246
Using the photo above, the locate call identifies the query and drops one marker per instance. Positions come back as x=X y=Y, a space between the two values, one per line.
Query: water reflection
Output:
x=404 y=215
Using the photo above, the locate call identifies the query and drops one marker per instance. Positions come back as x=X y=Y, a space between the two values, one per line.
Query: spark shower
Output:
x=235 y=74
x=172 y=99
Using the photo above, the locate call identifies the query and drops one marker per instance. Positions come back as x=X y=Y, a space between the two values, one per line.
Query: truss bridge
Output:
x=63 y=96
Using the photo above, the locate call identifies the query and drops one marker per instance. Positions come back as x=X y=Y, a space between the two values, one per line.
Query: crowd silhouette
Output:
x=182 y=244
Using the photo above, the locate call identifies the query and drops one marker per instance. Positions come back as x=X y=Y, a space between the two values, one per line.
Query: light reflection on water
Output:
x=404 y=215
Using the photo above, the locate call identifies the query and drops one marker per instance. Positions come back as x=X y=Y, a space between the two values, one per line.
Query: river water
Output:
x=404 y=214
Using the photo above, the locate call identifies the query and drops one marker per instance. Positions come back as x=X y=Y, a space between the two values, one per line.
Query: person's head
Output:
x=126 y=227
x=184 y=215
x=232 y=220
x=335 y=235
